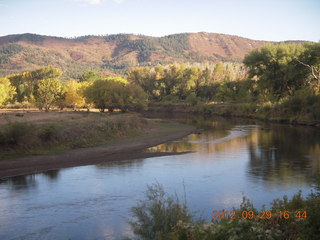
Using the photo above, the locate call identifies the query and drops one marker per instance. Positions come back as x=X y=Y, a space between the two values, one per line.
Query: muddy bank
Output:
x=130 y=148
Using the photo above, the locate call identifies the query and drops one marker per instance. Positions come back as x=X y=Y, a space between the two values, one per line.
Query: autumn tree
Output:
x=7 y=91
x=115 y=93
x=26 y=82
x=49 y=91
x=74 y=94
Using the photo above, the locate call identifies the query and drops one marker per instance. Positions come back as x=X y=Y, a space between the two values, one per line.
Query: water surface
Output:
x=232 y=158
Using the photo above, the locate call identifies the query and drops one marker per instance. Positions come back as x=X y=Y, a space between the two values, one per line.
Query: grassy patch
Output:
x=84 y=130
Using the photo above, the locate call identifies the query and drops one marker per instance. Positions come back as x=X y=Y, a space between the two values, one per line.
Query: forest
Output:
x=276 y=76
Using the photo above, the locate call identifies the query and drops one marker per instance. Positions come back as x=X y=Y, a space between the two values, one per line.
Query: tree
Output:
x=48 y=92
x=25 y=82
x=74 y=97
x=89 y=76
x=147 y=78
x=187 y=81
x=101 y=94
x=136 y=98
x=275 y=66
x=110 y=94
x=219 y=72
x=7 y=91
x=311 y=60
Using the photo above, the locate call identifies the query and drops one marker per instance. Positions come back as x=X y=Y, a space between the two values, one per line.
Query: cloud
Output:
x=96 y=2
x=92 y=2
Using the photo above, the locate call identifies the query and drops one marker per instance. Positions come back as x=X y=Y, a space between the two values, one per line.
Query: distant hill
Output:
x=116 y=53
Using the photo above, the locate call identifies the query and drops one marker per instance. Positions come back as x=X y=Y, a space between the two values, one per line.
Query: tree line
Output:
x=43 y=88
x=272 y=73
x=181 y=81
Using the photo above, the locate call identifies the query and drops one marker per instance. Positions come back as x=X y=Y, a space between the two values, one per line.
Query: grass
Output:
x=65 y=131
x=25 y=138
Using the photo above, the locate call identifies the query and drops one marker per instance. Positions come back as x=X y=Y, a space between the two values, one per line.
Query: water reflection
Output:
x=231 y=158
x=29 y=182
x=276 y=153
x=52 y=175
x=125 y=164
x=280 y=152
x=21 y=182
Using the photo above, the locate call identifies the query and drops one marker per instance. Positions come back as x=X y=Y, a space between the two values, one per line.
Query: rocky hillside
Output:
x=116 y=53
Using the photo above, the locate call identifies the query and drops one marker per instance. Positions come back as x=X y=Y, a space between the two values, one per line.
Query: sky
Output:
x=271 y=20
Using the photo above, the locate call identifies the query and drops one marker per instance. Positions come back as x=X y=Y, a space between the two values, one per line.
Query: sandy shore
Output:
x=122 y=150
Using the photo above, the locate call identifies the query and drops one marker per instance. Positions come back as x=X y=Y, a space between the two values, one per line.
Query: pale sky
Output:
x=272 y=20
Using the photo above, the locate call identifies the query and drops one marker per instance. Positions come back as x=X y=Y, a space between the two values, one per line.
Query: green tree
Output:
x=148 y=79
x=110 y=94
x=26 y=82
x=89 y=76
x=275 y=66
x=311 y=60
x=48 y=92
x=136 y=98
x=7 y=91
x=188 y=80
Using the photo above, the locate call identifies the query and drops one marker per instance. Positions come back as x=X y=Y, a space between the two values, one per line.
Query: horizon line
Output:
x=139 y=34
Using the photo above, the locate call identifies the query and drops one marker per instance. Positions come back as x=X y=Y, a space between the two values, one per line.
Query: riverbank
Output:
x=275 y=114
x=127 y=136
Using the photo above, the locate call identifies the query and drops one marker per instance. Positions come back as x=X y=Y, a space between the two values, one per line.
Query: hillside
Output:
x=116 y=53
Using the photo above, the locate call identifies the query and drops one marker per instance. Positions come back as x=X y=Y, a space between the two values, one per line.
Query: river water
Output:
x=232 y=158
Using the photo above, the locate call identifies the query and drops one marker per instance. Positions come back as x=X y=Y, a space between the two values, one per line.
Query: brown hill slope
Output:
x=116 y=53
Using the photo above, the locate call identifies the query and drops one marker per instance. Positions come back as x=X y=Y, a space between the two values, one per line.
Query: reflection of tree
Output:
x=22 y=182
x=283 y=151
x=205 y=143
x=123 y=164
x=52 y=174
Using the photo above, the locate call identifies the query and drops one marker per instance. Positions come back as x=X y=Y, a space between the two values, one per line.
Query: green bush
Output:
x=192 y=99
x=158 y=214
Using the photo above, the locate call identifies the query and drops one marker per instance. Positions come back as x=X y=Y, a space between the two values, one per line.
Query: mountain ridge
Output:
x=118 y=52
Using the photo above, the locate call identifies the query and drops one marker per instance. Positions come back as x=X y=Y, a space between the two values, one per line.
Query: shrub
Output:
x=13 y=133
x=158 y=214
x=192 y=99
x=48 y=133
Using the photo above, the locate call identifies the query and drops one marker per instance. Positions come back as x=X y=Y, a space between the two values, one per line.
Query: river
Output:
x=232 y=158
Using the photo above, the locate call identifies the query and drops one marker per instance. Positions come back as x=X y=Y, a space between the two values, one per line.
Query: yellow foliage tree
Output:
x=74 y=95
x=7 y=91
